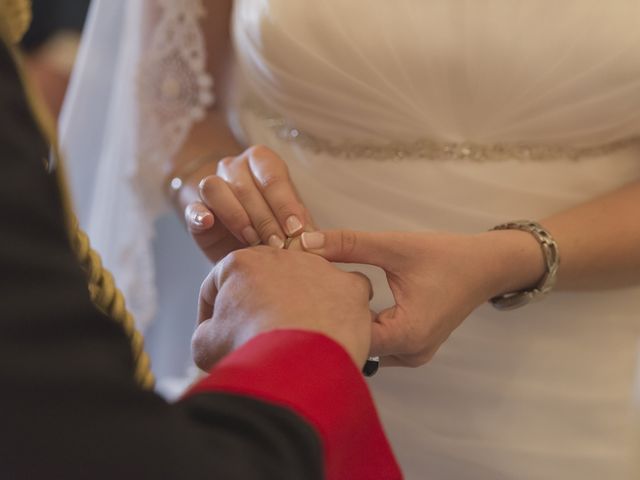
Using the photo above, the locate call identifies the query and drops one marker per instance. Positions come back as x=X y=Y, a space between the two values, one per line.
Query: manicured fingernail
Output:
x=312 y=240
x=199 y=217
x=293 y=224
x=275 y=241
x=251 y=236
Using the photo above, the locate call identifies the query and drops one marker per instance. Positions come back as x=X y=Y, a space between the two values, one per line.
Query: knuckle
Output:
x=271 y=180
x=242 y=190
x=226 y=162
x=197 y=352
x=201 y=351
x=266 y=226
x=210 y=183
x=204 y=287
x=261 y=151
x=285 y=209
x=348 y=242
x=238 y=259
x=235 y=219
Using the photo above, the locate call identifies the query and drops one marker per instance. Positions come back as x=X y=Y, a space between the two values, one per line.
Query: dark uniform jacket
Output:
x=287 y=405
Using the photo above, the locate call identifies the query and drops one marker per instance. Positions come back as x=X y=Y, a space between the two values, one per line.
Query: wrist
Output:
x=208 y=142
x=182 y=184
x=514 y=260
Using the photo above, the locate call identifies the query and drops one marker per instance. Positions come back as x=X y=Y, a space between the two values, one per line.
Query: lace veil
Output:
x=134 y=94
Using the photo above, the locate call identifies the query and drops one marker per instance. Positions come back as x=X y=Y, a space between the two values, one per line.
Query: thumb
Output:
x=348 y=246
x=389 y=333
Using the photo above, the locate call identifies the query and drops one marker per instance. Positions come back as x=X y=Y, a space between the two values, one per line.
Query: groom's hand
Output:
x=255 y=290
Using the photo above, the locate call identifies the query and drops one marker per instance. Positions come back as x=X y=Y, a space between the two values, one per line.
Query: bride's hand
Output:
x=250 y=200
x=436 y=279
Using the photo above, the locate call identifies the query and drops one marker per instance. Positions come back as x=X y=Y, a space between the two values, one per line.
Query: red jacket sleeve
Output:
x=315 y=377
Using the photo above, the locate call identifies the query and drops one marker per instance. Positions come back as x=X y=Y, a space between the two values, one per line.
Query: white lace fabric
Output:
x=130 y=106
x=174 y=90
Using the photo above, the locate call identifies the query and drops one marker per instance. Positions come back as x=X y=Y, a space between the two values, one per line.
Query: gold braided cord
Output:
x=110 y=300
x=15 y=18
x=102 y=288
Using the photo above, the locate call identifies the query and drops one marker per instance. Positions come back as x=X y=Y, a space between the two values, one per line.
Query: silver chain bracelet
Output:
x=510 y=301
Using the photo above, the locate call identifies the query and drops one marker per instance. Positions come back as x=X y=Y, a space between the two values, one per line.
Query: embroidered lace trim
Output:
x=427 y=149
x=174 y=90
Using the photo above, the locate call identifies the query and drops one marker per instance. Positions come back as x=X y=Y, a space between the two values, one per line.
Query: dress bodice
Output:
x=497 y=71
x=539 y=393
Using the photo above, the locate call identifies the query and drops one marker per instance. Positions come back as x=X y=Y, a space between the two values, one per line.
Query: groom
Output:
x=281 y=333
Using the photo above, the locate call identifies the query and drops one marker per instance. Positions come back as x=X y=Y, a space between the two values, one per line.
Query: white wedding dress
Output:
x=459 y=115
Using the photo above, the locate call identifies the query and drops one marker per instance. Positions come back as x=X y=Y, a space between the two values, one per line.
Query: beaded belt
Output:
x=426 y=149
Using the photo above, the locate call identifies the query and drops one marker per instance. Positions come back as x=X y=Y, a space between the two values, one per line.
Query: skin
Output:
x=250 y=174
x=438 y=279
x=253 y=200
x=251 y=188
x=297 y=291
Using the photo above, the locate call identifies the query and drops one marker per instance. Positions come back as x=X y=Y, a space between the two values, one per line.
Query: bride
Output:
x=407 y=116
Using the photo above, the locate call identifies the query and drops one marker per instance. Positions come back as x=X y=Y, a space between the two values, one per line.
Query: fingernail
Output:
x=293 y=224
x=275 y=241
x=251 y=236
x=312 y=240
x=199 y=217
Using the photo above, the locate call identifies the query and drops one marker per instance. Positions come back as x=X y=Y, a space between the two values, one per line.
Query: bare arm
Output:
x=248 y=197
x=599 y=244
x=438 y=279
x=212 y=133
x=600 y=241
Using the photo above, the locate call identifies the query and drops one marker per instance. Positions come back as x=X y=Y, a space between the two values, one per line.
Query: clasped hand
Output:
x=249 y=201
x=437 y=279
x=259 y=289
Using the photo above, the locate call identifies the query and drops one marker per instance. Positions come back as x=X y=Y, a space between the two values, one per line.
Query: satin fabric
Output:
x=540 y=393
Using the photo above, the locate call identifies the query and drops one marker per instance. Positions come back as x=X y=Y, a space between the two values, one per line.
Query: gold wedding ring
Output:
x=289 y=240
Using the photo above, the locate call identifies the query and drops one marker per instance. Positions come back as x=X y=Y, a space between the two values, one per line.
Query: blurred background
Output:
x=51 y=45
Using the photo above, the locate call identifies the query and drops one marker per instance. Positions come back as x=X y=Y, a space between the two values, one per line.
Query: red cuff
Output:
x=314 y=376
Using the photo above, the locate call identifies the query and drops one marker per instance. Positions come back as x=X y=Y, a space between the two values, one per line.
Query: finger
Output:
x=217 y=195
x=349 y=246
x=215 y=243
x=271 y=175
x=309 y=224
x=209 y=344
x=198 y=217
x=221 y=272
x=207 y=298
x=240 y=180
x=367 y=283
